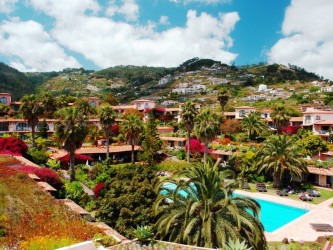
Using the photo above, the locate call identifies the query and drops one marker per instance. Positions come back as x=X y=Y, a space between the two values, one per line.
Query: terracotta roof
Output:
x=230 y=113
x=321 y=171
x=245 y=107
x=94 y=150
x=330 y=153
x=123 y=107
x=324 y=122
x=172 y=109
x=296 y=119
x=173 y=138
x=266 y=110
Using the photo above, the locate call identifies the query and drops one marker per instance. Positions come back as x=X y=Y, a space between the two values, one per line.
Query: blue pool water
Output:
x=272 y=216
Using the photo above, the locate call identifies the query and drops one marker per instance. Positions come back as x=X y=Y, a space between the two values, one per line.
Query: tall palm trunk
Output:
x=277 y=179
x=133 y=158
x=188 y=145
x=107 y=135
x=33 y=132
x=205 y=153
x=72 y=166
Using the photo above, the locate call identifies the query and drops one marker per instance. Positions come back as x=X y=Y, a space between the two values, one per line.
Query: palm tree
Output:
x=132 y=127
x=207 y=214
x=85 y=107
x=280 y=154
x=280 y=117
x=31 y=111
x=207 y=126
x=223 y=97
x=49 y=105
x=254 y=124
x=94 y=134
x=188 y=114
x=71 y=130
x=107 y=117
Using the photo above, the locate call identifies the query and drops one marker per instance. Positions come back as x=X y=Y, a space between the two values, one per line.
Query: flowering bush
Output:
x=49 y=176
x=99 y=190
x=48 y=242
x=27 y=169
x=45 y=174
x=195 y=146
x=291 y=130
x=115 y=129
x=79 y=159
x=14 y=145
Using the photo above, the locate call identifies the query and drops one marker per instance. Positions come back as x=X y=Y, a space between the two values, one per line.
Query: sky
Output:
x=50 y=35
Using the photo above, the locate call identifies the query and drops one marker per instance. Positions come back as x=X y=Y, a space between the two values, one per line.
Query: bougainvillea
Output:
x=79 y=159
x=99 y=190
x=291 y=130
x=115 y=129
x=45 y=174
x=14 y=145
x=195 y=146
x=49 y=176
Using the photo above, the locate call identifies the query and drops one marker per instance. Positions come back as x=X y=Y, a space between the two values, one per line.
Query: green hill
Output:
x=14 y=82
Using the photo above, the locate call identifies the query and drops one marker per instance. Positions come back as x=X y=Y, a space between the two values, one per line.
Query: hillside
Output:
x=14 y=82
x=132 y=82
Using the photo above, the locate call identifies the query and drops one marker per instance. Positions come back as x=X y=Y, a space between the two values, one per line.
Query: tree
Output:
x=254 y=125
x=230 y=127
x=206 y=214
x=207 y=126
x=111 y=99
x=85 y=108
x=151 y=143
x=107 y=117
x=188 y=114
x=48 y=104
x=280 y=117
x=31 y=110
x=132 y=127
x=223 y=97
x=279 y=154
x=94 y=134
x=71 y=130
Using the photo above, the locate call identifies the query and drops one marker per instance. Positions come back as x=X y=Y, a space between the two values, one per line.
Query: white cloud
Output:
x=164 y=20
x=201 y=1
x=31 y=48
x=7 y=6
x=129 y=9
x=78 y=27
x=307 y=37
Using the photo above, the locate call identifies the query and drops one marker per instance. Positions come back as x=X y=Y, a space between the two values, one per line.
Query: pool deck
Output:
x=298 y=229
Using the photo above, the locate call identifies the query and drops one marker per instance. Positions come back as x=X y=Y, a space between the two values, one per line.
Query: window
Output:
x=146 y=105
x=22 y=126
x=93 y=103
x=39 y=126
x=318 y=117
x=3 y=100
x=242 y=113
x=308 y=119
x=4 y=126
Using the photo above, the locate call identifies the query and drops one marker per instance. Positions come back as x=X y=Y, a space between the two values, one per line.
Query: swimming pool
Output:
x=272 y=216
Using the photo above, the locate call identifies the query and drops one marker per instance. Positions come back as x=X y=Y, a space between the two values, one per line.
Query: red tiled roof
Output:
x=321 y=171
x=165 y=138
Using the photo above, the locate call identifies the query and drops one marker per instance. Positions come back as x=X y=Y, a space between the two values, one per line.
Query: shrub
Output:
x=74 y=191
x=14 y=145
x=195 y=147
x=27 y=169
x=79 y=159
x=49 y=176
x=99 y=190
x=38 y=156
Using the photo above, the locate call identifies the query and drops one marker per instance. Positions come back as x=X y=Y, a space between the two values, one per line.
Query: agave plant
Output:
x=237 y=245
x=143 y=233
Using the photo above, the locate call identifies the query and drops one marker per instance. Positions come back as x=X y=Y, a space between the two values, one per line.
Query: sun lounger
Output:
x=261 y=187
x=322 y=227
x=282 y=192
x=305 y=197
x=314 y=193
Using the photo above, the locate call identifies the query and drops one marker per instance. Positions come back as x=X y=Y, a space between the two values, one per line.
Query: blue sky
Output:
x=45 y=35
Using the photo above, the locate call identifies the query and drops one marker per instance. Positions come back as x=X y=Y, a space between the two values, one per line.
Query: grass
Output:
x=325 y=194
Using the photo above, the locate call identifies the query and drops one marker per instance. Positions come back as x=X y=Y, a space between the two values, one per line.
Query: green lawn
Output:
x=325 y=194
